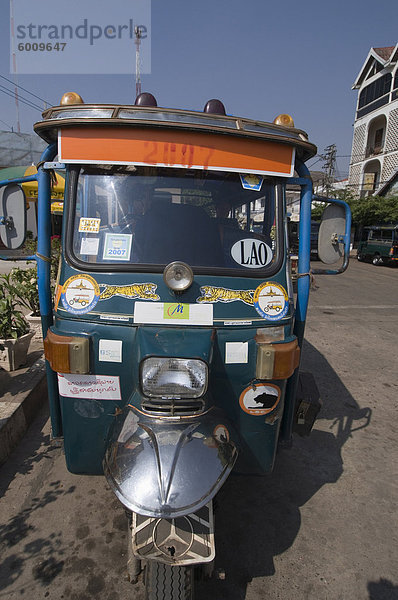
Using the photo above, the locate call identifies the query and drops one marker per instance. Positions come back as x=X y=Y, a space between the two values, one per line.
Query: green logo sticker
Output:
x=175 y=310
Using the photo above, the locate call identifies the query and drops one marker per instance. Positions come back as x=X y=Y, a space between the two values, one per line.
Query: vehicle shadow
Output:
x=382 y=590
x=35 y=448
x=259 y=518
x=20 y=542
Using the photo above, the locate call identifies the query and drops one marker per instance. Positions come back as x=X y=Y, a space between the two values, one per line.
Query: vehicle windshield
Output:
x=153 y=216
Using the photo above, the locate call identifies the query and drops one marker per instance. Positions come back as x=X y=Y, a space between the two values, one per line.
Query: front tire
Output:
x=166 y=582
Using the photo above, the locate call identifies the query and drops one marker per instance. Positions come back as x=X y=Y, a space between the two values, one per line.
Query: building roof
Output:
x=385 y=52
x=384 y=55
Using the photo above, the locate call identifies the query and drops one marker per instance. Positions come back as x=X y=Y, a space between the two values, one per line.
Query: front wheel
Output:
x=166 y=582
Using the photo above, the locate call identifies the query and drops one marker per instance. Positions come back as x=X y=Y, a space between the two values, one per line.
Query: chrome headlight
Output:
x=173 y=377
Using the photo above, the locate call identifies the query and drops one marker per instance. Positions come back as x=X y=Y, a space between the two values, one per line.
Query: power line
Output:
x=317 y=161
x=23 y=100
x=25 y=90
x=8 y=125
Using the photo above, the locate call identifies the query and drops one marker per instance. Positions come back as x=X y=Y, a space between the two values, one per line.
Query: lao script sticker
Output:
x=80 y=294
x=89 y=225
x=271 y=301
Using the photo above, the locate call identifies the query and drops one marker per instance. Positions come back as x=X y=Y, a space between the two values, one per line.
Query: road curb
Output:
x=19 y=405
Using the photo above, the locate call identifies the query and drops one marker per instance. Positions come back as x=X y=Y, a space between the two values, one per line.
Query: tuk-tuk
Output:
x=174 y=338
x=379 y=243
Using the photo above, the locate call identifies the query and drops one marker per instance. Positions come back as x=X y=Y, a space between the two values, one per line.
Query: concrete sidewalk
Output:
x=22 y=392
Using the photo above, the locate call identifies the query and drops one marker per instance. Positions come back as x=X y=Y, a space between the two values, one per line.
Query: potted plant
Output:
x=15 y=334
x=25 y=283
x=26 y=294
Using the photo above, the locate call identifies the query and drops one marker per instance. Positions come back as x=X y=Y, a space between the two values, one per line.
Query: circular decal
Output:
x=221 y=433
x=80 y=294
x=271 y=301
x=260 y=398
x=251 y=253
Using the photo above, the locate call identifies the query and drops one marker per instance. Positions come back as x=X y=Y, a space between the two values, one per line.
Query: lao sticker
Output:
x=89 y=225
x=251 y=182
x=251 y=253
x=117 y=246
x=110 y=351
x=271 y=301
x=91 y=387
x=259 y=399
x=80 y=294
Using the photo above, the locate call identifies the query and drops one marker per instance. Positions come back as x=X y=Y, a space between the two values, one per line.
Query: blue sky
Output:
x=260 y=58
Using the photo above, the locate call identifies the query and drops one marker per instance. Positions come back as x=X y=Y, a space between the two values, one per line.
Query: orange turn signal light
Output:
x=277 y=361
x=67 y=354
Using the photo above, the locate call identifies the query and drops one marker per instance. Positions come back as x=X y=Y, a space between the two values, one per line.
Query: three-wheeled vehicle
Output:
x=379 y=243
x=173 y=341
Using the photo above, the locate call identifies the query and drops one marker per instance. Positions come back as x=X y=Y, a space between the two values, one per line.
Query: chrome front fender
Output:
x=168 y=467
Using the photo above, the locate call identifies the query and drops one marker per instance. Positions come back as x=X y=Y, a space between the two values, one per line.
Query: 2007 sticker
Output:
x=117 y=246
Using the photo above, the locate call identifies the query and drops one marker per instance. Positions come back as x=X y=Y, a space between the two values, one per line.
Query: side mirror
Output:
x=331 y=236
x=12 y=216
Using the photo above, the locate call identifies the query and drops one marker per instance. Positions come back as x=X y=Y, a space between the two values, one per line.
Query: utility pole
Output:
x=329 y=167
x=138 y=36
x=14 y=65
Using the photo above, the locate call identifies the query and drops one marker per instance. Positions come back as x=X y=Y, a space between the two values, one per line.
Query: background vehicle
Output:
x=294 y=237
x=379 y=244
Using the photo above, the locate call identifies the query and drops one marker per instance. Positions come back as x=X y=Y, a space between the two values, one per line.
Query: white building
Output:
x=374 y=156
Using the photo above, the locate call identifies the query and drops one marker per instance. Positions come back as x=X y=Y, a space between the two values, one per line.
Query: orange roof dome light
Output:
x=285 y=120
x=71 y=98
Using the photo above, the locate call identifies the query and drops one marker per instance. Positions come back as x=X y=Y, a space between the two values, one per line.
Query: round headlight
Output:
x=178 y=276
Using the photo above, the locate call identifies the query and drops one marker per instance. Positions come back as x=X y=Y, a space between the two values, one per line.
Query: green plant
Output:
x=25 y=289
x=12 y=322
x=24 y=281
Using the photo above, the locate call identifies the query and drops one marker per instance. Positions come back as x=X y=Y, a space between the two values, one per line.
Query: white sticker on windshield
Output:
x=117 y=246
x=251 y=253
x=251 y=182
x=89 y=246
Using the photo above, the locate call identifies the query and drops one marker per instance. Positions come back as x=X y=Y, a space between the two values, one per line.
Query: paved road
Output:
x=323 y=526
x=7 y=265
